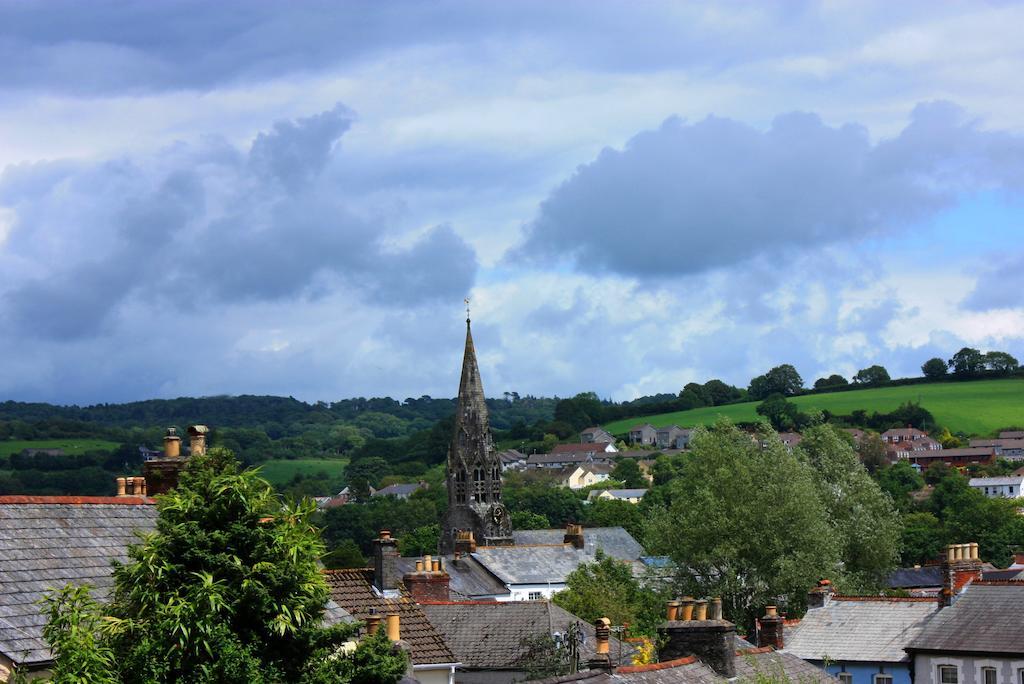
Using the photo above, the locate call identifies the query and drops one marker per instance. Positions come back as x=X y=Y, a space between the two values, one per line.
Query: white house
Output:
x=1011 y=487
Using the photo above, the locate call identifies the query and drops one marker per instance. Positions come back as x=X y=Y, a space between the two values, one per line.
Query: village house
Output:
x=979 y=639
x=859 y=639
x=955 y=458
x=1011 y=487
x=905 y=448
x=1011 y=434
x=512 y=459
x=907 y=434
x=558 y=461
x=1010 y=449
x=585 y=475
x=596 y=434
x=633 y=496
x=644 y=434
x=595 y=449
x=672 y=437
x=400 y=491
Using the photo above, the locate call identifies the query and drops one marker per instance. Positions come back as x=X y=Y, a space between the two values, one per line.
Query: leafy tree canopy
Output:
x=227 y=589
x=934 y=368
x=782 y=380
x=871 y=376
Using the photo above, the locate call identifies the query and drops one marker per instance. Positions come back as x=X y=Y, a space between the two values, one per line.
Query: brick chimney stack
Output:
x=385 y=562
x=162 y=473
x=960 y=567
x=819 y=596
x=771 y=631
x=197 y=439
x=712 y=641
x=429 y=581
x=574 y=535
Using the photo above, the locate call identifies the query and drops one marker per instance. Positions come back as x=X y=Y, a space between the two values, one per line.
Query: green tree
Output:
x=608 y=588
x=934 y=368
x=227 y=589
x=420 y=541
x=899 y=481
x=782 y=380
x=1000 y=362
x=872 y=452
x=921 y=539
x=627 y=471
x=610 y=513
x=782 y=414
x=720 y=393
x=525 y=520
x=872 y=376
x=346 y=555
x=745 y=523
x=834 y=380
x=967 y=361
x=862 y=516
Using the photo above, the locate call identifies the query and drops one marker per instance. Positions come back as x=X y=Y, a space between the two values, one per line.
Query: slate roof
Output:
x=398 y=489
x=468 y=578
x=614 y=541
x=621 y=494
x=532 y=564
x=749 y=664
x=860 y=629
x=1011 y=434
x=353 y=590
x=489 y=634
x=542 y=459
x=996 y=481
x=984 y=619
x=582 y=448
x=910 y=578
x=49 y=541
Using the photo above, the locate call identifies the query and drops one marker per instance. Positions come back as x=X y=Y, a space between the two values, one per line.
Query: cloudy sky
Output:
x=294 y=198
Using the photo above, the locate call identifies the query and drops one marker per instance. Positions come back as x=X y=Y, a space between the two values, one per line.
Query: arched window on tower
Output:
x=460 y=486
x=479 y=491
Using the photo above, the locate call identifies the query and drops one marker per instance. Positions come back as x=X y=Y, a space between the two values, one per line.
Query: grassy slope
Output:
x=70 y=445
x=980 y=407
x=279 y=471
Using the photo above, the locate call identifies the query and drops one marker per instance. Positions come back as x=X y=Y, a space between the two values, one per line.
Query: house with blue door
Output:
x=859 y=639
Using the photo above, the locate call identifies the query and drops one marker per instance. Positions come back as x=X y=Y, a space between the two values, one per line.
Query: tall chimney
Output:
x=601 y=659
x=712 y=641
x=574 y=535
x=464 y=542
x=427 y=583
x=385 y=562
x=372 y=623
x=819 y=596
x=172 y=444
x=771 y=632
x=197 y=439
x=122 y=483
x=394 y=627
x=960 y=567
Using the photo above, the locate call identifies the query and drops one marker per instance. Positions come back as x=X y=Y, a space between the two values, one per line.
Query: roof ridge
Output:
x=77 y=500
x=893 y=599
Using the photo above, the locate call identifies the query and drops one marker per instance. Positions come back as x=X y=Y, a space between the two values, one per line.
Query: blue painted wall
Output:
x=864 y=673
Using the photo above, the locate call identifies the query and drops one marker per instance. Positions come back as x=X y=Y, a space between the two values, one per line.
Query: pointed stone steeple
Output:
x=474 y=469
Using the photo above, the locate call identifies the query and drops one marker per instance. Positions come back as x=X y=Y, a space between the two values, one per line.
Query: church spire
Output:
x=472 y=409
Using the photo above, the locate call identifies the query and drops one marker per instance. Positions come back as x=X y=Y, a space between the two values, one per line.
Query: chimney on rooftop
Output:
x=712 y=641
x=464 y=541
x=771 y=631
x=197 y=439
x=385 y=562
x=394 y=627
x=574 y=535
x=961 y=566
x=819 y=596
x=428 y=582
x=601 y=659
x=172 y=444
x=372 y=623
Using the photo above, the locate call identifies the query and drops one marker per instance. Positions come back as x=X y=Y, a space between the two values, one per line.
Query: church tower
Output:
x=474 y=469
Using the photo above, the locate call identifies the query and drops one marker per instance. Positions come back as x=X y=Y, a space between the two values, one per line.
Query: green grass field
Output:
x=280 y=471
x=70 y=446
x=980 y=408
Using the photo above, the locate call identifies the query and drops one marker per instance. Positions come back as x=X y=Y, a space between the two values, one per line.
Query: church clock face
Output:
x=498 y=514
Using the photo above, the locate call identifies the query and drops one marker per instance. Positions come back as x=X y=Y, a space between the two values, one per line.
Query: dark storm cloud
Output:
x=204 y=223
x=690 y=197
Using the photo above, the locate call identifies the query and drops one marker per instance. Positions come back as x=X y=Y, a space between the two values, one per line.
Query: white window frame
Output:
x=984 y=672
x=845 y=677
x=883 y=678
x=535 y=596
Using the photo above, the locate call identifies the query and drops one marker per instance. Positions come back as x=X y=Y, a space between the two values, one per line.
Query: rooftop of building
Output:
x=614 y=541
x=860 y=629
x=983 y=619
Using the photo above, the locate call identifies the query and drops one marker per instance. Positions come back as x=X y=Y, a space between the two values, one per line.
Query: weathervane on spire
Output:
x=466 y=300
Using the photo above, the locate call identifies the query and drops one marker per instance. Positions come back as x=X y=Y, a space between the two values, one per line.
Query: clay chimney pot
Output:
x=687 y=608
x=671 y=610
x=700 y=610
x=372 y=624
x=394 y=627
x=121 y=483
x=419 y=565
x=771 y=611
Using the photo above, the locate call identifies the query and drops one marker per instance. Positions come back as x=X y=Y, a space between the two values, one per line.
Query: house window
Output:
x=883 y=679
x=988 y=675
x=1020 y=676
x=948 y=674
x=845 y=678
x=535 y=596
